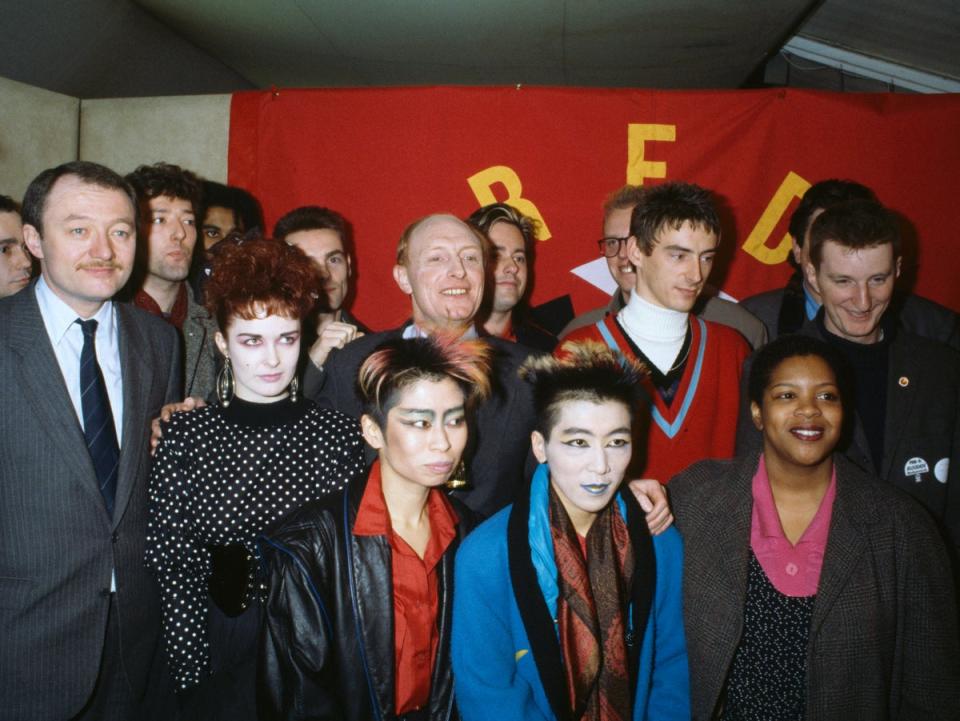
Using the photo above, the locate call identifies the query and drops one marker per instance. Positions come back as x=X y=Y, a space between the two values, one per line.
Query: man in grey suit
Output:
x=79 y=614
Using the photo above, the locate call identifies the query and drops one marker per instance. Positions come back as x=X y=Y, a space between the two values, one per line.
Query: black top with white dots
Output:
x=768 y=676
x=222 y=476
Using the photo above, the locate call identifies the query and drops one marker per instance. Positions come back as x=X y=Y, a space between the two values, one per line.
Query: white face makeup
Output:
x=263 y=353
x=588 y=451
x=424 y=433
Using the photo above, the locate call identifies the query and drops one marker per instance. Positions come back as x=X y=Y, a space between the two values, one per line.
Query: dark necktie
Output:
x=98 y=429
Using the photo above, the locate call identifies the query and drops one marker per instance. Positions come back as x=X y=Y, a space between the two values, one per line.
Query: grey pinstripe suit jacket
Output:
x=57 y=543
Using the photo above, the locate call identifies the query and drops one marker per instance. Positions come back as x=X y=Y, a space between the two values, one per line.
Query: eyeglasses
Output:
x=610 y=247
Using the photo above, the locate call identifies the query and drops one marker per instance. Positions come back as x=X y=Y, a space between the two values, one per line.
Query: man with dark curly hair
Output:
x=169 y=197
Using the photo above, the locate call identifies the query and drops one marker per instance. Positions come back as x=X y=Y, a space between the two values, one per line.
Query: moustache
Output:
x=99 y=266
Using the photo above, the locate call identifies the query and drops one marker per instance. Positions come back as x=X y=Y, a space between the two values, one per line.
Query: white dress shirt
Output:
x=66 y=336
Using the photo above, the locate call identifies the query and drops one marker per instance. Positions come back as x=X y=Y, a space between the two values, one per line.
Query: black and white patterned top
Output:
x=222 y=476
x=768 y=676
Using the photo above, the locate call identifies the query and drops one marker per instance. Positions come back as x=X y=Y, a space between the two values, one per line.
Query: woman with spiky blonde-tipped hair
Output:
x=361 y=584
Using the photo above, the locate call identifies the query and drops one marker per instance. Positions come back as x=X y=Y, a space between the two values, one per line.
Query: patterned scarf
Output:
x=592 y=612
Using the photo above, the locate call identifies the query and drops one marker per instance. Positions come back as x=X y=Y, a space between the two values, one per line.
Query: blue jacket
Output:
x=505 y=650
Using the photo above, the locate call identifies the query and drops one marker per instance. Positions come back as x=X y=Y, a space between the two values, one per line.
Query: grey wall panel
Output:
x=189 y=130
x=38 y=129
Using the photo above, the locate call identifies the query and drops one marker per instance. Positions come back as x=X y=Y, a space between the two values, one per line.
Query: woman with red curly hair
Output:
x=224 y=473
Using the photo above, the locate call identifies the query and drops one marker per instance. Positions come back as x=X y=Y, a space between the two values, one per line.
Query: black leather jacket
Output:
x=327 y=646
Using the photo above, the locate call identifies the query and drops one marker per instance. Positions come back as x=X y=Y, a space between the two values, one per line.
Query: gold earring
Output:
x=294 y=389
x=225 y=383
x=458 y=481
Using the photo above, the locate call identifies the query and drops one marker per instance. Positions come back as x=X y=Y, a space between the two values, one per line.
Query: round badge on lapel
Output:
x=904 y=381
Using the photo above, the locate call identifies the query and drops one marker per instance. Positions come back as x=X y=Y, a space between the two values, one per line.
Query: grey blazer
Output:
x=199 y=351
x=58 y=546
x=883 y=637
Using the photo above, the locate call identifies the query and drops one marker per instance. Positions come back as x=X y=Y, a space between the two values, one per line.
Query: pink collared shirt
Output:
x=794 y=570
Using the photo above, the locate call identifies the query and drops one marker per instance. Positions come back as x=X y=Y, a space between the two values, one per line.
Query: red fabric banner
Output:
x=385 y=157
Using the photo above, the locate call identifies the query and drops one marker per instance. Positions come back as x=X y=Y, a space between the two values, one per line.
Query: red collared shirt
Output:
x=794 y=570
x=177 y=314
x=415 y=598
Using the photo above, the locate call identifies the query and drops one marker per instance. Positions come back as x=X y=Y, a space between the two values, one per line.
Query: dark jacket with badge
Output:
x=921 y=448
x=327 y=647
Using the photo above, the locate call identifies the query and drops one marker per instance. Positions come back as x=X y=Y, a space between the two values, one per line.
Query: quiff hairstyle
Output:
x=165 y=179
x=855 y=225
x=35 y=199
x=489 y=215
x=260 y=274
x=404 y=243
x=399 y=363
x=629 y=196
x=669 y=206
x=582 y=371
x=821 y=196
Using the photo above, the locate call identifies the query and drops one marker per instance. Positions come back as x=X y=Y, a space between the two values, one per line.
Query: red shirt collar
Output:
x=177 y=315
x=373 y=519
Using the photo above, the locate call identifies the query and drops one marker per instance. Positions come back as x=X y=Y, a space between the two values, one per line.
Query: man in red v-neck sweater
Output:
x=694 y=365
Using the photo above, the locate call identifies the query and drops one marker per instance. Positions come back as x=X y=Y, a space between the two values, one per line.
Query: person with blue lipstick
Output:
x=565 y=606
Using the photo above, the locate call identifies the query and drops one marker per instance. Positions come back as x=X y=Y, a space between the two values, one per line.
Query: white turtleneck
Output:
x=658 y=332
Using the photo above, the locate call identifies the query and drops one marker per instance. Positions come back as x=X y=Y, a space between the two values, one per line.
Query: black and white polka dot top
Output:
x=222 y=476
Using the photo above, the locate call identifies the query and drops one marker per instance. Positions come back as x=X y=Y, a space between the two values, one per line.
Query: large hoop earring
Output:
x=225 y=384
x=294 y=389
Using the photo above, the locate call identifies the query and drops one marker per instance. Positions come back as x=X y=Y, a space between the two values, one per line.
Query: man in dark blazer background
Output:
x=786 y=310
x=79 y=614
